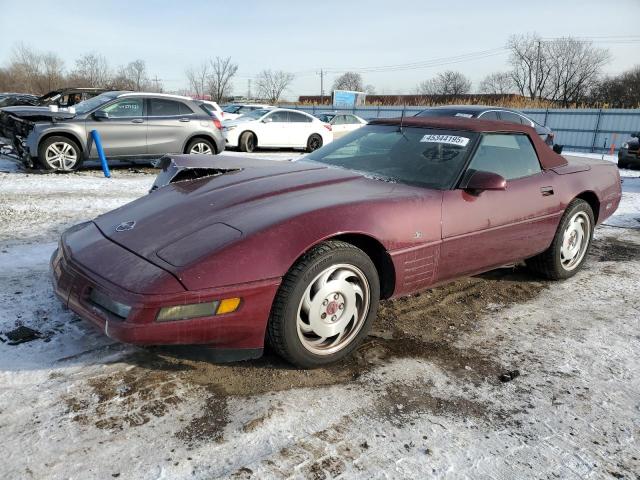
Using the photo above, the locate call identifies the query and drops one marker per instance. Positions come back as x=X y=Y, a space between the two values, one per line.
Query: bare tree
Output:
x=530 y=62
x=349 y=81
x=219 y=80
x=137 y=73
x=92 y=70
x=198 y=78
x=271 y=84
x=52 y=72
x=620 y=91
x=575 y=68
x=498 y=83
x=445 y=83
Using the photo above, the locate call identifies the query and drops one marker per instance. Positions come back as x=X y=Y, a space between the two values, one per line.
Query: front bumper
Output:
x=242 y=329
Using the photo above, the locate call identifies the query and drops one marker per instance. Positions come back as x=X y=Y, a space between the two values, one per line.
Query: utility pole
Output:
x=157 y=81
x=321 y=87
x=249 y=89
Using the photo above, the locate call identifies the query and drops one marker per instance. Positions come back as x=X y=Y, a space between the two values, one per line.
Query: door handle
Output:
x=546 y=191
x=185 y=120
x=137 y=120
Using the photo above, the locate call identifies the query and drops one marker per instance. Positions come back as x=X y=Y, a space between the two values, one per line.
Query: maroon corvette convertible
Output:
x=232 y=252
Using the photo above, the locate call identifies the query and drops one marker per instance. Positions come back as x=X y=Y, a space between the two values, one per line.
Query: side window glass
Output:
x=510 y=117
x=279 y=116
x=298 y=118
x=493 y=115
x=127 y=107
x=511 y=156
x=340 y=120
x=159 y=107
x=185 y=109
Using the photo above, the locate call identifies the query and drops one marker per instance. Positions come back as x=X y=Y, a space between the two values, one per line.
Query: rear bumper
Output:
x=242 y=329
x=631 y=158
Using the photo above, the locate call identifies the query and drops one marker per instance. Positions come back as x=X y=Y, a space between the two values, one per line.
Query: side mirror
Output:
x=480 y=181
x=557 y=148
x=268 y=119
x=100 y=115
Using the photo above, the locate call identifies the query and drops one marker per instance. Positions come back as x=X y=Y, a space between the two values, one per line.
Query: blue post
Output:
x=103 y=160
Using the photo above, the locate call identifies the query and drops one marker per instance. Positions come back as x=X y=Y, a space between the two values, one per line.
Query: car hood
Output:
x=241 y=198
x=38 y=113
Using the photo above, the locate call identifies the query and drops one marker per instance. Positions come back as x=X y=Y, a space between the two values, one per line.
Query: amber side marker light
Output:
x=228 y=305
x=196 y=310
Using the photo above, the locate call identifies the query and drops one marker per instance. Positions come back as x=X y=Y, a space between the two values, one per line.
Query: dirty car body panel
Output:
x=233 y=227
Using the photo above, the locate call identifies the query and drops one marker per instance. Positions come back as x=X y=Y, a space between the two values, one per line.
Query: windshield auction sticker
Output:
x=449 y=139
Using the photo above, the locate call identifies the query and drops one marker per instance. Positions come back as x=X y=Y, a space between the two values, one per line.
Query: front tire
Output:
x=248 y=142
x=622 y=164
x=314 y=142
x=59 y=154
x=325 y=305
x=570 y=246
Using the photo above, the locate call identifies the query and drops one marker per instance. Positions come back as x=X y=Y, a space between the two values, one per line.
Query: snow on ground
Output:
x=421 y=398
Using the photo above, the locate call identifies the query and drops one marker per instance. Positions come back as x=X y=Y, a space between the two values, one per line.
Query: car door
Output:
x=338 y=126
x=484 y=230
x=352 y=123
x=169 y=124
x=273 y=130
x=300 y=128
x=124 y=131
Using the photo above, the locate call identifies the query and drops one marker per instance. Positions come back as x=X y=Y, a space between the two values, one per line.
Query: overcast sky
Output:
x=303 y=36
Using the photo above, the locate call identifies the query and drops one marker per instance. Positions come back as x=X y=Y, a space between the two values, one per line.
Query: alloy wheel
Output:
x=333 y=309
x=61 y=156
x=575 y=241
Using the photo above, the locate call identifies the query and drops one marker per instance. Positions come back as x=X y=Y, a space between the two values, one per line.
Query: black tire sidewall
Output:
x=244 y=142
x=299 y=354
x=47 y=142
x=311 y=137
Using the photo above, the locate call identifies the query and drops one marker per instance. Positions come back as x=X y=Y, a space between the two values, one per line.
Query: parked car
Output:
x=10 y=99
x=132 y=125
x=629 y=154
x=491 y=113
x=341 y=123
x=278 y=127
x=64 y=97
x=213 y=108
x=303 y=251
x=233 y=111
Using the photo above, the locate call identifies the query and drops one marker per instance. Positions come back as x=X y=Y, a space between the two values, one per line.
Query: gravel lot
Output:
x=421 y=398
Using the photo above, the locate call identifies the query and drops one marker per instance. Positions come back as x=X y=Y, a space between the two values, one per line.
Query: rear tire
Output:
x=314 y=142
x=570 y=245
x=248 y=142
x=622 y=164
x=325 y=306
x=201 y=146
x=59 y=154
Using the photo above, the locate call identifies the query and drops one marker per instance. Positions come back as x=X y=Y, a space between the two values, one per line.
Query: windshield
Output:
x=231 y=108
x=425 y=157
x=93 y=103
x=326 y=117
x=256 y=114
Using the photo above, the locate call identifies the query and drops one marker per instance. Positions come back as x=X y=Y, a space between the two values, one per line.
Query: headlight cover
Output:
x=197 y=310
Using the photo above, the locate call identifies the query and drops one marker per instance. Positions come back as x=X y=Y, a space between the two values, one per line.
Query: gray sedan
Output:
x=131 y=126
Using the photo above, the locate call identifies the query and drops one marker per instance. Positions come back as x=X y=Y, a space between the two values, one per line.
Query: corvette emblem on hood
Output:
x=124 y=226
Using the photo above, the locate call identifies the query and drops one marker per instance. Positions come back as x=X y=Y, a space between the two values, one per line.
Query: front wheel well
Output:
x=378 y=255
x=203 y=137
x=593 y=201
x=70 y=136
